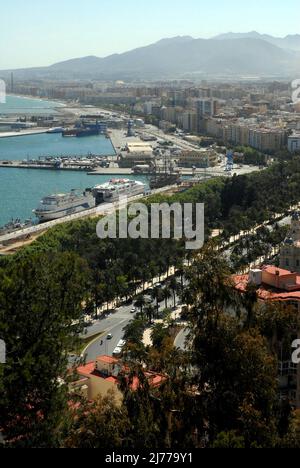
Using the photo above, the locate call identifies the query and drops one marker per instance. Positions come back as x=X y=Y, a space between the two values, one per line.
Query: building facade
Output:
x=276 y=285
x=294 y=143
x=290 y=251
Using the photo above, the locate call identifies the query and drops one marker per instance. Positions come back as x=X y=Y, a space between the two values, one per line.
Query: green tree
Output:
x=103 y=424
x=166 y=295
x=140 y=303
x=41 y=299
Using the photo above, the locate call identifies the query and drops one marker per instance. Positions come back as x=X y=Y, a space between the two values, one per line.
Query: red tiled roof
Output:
x=87 y=370
x=276 y=271
x=154 y=380
x=107 y=359
x=265 y=292
x=112 y=380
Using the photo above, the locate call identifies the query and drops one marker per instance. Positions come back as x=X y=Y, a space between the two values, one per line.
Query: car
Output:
x=117 y=352
x=133 y=311
x=109 y=336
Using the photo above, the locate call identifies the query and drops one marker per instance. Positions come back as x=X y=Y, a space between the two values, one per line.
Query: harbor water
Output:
x=25 y=106
x=22 y=189
x=20 y=148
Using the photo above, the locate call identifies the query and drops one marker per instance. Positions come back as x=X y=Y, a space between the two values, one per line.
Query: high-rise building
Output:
x=294 y=143
x=206 y=108
x=190 y=122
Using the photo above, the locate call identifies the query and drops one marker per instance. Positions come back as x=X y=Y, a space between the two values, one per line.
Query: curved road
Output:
x=114 y=325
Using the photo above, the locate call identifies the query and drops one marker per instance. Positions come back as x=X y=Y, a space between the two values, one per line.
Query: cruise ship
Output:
x=60 y=205
x=117 y=188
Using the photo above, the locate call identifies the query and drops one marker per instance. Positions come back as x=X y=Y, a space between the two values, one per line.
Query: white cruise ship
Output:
x=117 y=188
x=60 y=205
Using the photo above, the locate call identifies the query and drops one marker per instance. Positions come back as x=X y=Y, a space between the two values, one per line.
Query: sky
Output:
x=40 y=33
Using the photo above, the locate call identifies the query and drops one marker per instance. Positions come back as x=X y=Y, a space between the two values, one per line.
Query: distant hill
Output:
x=180 y=57
x=291 y=42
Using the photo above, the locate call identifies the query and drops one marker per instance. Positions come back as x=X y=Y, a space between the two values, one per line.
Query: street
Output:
x=181 y=339
x=114 y=325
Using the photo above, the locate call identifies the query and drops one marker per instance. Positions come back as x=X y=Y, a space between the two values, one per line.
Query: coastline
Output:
x=35 y=98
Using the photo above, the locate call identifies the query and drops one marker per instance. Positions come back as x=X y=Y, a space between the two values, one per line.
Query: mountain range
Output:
x=291 y=42
x=230 y=55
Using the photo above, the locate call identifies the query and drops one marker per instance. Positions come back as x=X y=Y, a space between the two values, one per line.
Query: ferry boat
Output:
x=117 y=188
x=60 y=205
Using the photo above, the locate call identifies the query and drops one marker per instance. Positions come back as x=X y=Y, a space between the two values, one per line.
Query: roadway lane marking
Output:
x=85 y=351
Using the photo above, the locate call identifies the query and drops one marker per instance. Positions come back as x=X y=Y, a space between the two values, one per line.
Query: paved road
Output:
x=114 y=325
x=180 y=341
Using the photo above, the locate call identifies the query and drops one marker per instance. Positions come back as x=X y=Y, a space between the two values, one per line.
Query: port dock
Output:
x=22 y=133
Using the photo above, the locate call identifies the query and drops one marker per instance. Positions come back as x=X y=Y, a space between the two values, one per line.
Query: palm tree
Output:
x=140 y=303
x=157 y=295
x=149 y=311
x=166 y=294
x=180 y=271
x=174 y=287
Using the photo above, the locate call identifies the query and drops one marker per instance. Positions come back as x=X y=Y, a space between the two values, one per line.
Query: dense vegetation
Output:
x=220 y=393
x=216 y=394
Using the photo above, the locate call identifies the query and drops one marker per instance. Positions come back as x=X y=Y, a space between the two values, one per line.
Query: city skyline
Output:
x=71 y=31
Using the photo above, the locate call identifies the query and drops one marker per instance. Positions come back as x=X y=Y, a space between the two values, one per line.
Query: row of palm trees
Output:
x=158 y=294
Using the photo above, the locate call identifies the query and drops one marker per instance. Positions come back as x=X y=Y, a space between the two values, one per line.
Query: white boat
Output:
x=115 y=189
x=56 y=130
x=60 y=205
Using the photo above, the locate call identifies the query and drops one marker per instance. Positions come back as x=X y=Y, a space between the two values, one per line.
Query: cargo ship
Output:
x=87 y=132
x=70 y=132
x=86 y=129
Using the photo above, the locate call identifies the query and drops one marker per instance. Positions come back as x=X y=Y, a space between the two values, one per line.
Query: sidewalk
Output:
x=147 y=333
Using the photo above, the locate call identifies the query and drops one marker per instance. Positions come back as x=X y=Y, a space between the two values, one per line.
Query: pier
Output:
x=13 y=134
x=114 y=170
x=89 y=169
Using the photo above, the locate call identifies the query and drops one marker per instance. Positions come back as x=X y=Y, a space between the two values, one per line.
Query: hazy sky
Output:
x=35 y=33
